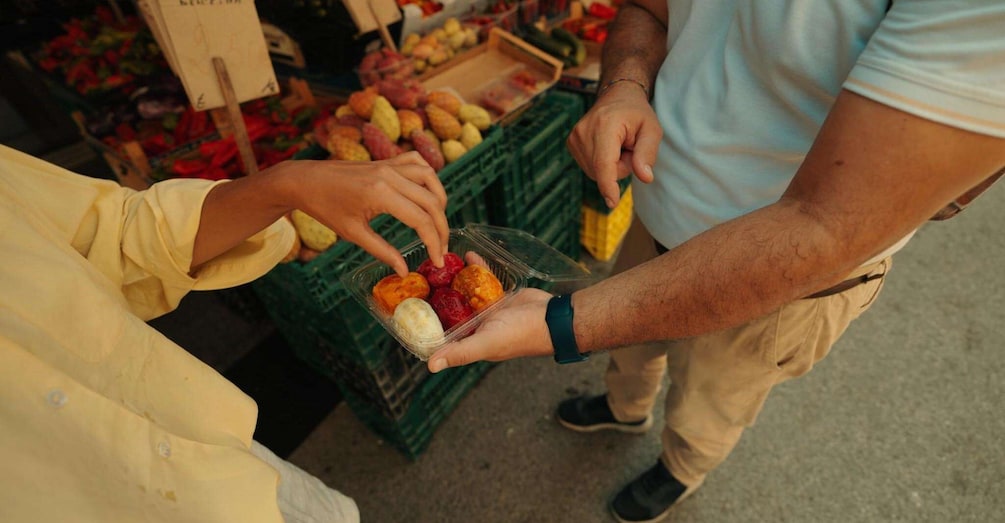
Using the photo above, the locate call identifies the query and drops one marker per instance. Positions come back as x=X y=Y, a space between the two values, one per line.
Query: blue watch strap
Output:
x=559 y=319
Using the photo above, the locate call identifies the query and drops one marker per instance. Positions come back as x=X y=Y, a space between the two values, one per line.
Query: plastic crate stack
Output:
x=387 y=388
x=542 y=193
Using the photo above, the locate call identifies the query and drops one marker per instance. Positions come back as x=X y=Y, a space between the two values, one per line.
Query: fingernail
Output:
x=648 y=169
x=437 y=365
x=610 y=203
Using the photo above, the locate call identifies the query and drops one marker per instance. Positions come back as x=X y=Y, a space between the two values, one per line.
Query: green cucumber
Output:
x=578 y=55
x=542 y=41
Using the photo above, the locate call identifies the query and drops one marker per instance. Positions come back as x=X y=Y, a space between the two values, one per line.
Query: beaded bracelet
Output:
x=611 y=83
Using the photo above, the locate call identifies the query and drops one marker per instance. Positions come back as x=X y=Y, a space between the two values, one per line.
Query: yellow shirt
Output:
x=102 y=418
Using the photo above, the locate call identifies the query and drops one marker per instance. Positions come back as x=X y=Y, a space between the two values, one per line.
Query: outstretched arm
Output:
x=345 y=196
x=873 y=175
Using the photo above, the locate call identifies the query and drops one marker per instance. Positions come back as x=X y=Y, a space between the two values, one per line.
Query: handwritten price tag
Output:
x=192 y=32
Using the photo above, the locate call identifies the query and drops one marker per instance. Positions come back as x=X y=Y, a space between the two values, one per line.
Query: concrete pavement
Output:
x=902 y=422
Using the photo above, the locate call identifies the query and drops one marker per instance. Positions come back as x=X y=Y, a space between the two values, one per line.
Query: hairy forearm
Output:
x=728 y=275
x=236 y=210
x=635 y=46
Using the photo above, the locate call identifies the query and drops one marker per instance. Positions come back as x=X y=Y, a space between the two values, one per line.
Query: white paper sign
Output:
x=192 y=32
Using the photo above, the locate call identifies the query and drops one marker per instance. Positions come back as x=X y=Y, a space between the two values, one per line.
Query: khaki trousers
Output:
x=719 y=381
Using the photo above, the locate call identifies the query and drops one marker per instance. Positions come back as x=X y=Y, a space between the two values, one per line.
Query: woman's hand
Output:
x=346 y=196
x=620 y=135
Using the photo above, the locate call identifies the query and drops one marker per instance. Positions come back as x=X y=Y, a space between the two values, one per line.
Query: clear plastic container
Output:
x=513 y=256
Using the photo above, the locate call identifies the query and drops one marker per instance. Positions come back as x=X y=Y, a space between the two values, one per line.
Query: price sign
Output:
x=191 y=33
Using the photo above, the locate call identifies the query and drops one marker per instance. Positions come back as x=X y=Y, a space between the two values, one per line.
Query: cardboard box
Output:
x=487 y=75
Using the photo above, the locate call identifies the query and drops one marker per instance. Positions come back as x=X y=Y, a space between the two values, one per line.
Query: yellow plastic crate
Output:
x=601 y=233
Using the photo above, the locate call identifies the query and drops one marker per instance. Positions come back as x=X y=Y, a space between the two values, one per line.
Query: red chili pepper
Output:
x=198 y=125
x=188 y=168
x=224 y=154
x=602 y=11
x=49 y=64
x=208 y=149
x=157 y=144
x=125 y=132
x=79 y=71
x=111 y=56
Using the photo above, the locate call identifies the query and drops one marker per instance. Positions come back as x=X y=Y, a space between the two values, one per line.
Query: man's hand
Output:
x=517 y=329
x=618 y=136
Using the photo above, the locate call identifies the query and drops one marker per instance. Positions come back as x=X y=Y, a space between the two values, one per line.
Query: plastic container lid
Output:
x=511 y=255
x=528 y=254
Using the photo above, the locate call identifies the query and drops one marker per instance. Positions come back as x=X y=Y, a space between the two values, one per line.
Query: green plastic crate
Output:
x=537 y=141
x=591 y=194
x=430 y=405
x=537 y=138
x=387 y=388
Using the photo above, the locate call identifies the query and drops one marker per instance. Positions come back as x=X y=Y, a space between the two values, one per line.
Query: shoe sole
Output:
x=620 y=427
x=687 y=493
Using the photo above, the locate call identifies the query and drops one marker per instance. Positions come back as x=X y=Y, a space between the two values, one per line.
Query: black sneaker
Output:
x=584 y=414
x=650 y=496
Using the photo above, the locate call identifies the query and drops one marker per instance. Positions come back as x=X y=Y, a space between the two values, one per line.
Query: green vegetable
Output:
x=578 y=55
x=539 y=39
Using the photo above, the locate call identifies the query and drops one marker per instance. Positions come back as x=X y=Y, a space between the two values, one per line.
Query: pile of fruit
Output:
x=395 y=116
x=501 y=14
x=430 y=301
x=418 y=53
x=428 y=7
x=439 y=45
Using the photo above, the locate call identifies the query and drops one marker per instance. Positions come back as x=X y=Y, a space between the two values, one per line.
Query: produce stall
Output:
x=486 y=92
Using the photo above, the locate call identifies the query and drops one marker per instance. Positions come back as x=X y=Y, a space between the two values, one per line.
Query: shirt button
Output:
x=164 y=449
x=56 y=398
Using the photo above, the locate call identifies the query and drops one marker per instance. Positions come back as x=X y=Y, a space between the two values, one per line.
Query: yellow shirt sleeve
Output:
x=142 y=240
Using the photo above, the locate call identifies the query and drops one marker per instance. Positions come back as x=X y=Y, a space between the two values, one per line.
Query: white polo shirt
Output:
x=746 y=86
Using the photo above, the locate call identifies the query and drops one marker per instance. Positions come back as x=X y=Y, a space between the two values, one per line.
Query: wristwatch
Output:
x=559 y=319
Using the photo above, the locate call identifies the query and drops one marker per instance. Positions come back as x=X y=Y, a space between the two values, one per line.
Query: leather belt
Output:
x=830 y=291
x=845 y=285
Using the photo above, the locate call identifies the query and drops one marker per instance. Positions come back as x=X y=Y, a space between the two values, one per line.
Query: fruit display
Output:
x=393 y=289
x=505 y=94
x=459 y=291
x=592 y=28
x=417 y=323
x=393 y=116
x=384 y=64
x=428 y=7
x=478 y=285
x=500 y=13
x=439 y=45
x=311 y=232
